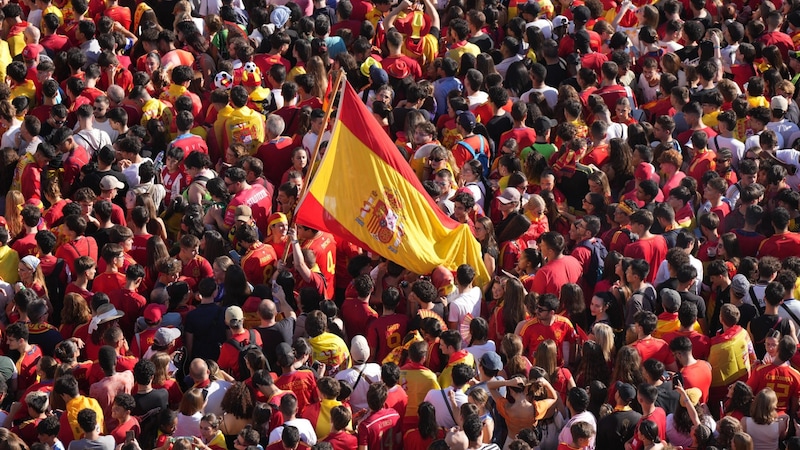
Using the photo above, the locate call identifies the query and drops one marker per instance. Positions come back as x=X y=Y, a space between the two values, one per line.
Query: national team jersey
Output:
x=782 y=379
x=324 y=248
x=258 y=198
x=331 y=350
x=534 y=333
x=417 y=380
x=385 y=334
x=259 y=263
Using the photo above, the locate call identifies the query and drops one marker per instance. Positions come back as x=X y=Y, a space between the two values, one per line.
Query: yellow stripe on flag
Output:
x=364 y=191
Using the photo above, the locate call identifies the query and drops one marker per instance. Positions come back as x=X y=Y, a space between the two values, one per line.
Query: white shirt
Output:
x=92 y=140
x=477 y=98
x=188 y=425
x=752 y=141
x=736 y=146
x=467 y=302
x=794 y=306
x=663 y=274
x=550 y=95
x=791 y=157
x=216 y=390
x=310 y=142
x=10 y=136
x=502 y=66
x=545 y=25
x=566 y=435
x=479 y=350
x=371 y=374
x=436 y=398
x=307 y=433
x=106 y=126
x=784 y=129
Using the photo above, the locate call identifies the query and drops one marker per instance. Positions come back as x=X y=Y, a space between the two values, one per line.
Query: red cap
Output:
x=462 y=190
x=30 y=51
x=441 y=277
x=644 y=171
x=154 y=312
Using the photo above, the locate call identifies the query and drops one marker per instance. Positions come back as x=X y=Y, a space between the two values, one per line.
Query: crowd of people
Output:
x=629 y=171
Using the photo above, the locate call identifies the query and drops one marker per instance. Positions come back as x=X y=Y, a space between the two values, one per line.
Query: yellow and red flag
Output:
x=365 y=192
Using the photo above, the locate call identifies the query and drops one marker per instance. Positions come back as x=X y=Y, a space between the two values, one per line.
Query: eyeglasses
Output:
x=229 y=183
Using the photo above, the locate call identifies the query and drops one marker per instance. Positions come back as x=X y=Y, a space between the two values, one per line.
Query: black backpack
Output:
x=596 y=262
x=243 y=349
x=55 y=290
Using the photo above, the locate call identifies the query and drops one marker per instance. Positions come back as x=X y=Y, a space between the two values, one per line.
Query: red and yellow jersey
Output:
x=729 y=356
x=259 y=263
x=534 y=333
x=324 y=247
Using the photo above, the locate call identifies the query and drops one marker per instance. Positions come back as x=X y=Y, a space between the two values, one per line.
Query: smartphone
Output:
x=129 y=436
x=677 y=379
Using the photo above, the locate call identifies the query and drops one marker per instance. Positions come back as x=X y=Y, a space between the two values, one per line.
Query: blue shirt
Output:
x=441 y=88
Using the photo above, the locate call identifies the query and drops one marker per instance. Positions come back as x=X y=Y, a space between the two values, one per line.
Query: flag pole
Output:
x=338 y=83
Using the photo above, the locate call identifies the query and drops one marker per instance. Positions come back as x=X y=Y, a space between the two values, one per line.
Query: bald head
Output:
x=267 y=310
x=116 y=93
x=32 y=35
x=198 y=370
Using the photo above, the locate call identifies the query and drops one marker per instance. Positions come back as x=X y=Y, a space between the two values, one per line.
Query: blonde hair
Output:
x=764 y=410
x=14 y=203
x=192 y=402
x=315 y=66
x=161 y=360
x=742 y=441
x=546 y=357
x=533 y=201
x=604 y=336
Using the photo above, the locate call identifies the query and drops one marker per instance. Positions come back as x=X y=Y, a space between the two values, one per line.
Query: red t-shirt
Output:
x=525 y=137
x=70 y=251
x=749 y=241
x=700 y=342
x=229 y=355
x=380 y=430
x=258 y=199
x=26 y=245
x=27 y=367
x=357 y=316
x=132 y=304
x=304 y=386
x=654 y=348
x=259 y=263
x=341 y=440
x=74 y=288
x=108 y=282
x=698 y=375
x=139 y=248
x=783 y=379
x=781 y=245
x=324 y=247
x=534 y=332
x=279 y=154
x=554 y=274
x=653 y=250
x=385 y=333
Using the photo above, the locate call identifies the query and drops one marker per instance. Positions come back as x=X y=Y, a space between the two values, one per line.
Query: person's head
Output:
x=376 y=396
x=645 y=322
x=87 y=420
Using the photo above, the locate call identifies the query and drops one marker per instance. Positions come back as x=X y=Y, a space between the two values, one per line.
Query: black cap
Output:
x=581 y=14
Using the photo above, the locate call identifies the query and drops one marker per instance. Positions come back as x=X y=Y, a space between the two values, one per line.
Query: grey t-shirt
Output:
x=101 y=443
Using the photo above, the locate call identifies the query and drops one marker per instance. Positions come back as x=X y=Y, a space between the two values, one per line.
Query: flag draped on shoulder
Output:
x=364 y=191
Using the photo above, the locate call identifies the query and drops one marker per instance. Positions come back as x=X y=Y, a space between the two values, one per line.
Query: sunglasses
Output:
x=436 y=160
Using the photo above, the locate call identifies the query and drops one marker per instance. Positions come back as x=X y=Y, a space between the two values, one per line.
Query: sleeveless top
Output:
x=765 y=437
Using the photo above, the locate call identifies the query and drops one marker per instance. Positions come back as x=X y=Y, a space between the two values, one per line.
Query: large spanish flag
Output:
x=364 y=191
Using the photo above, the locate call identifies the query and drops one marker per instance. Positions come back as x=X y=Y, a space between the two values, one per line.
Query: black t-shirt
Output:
x=157 y=398
x=617 y=428
x=698 y=301
x=272 y=336
x=498 y=125
x=667 y=397
x=102 y=237
x=748 y=313
x=207 y=325
x=761 y=325
x=484 y=42
x=556 y=73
